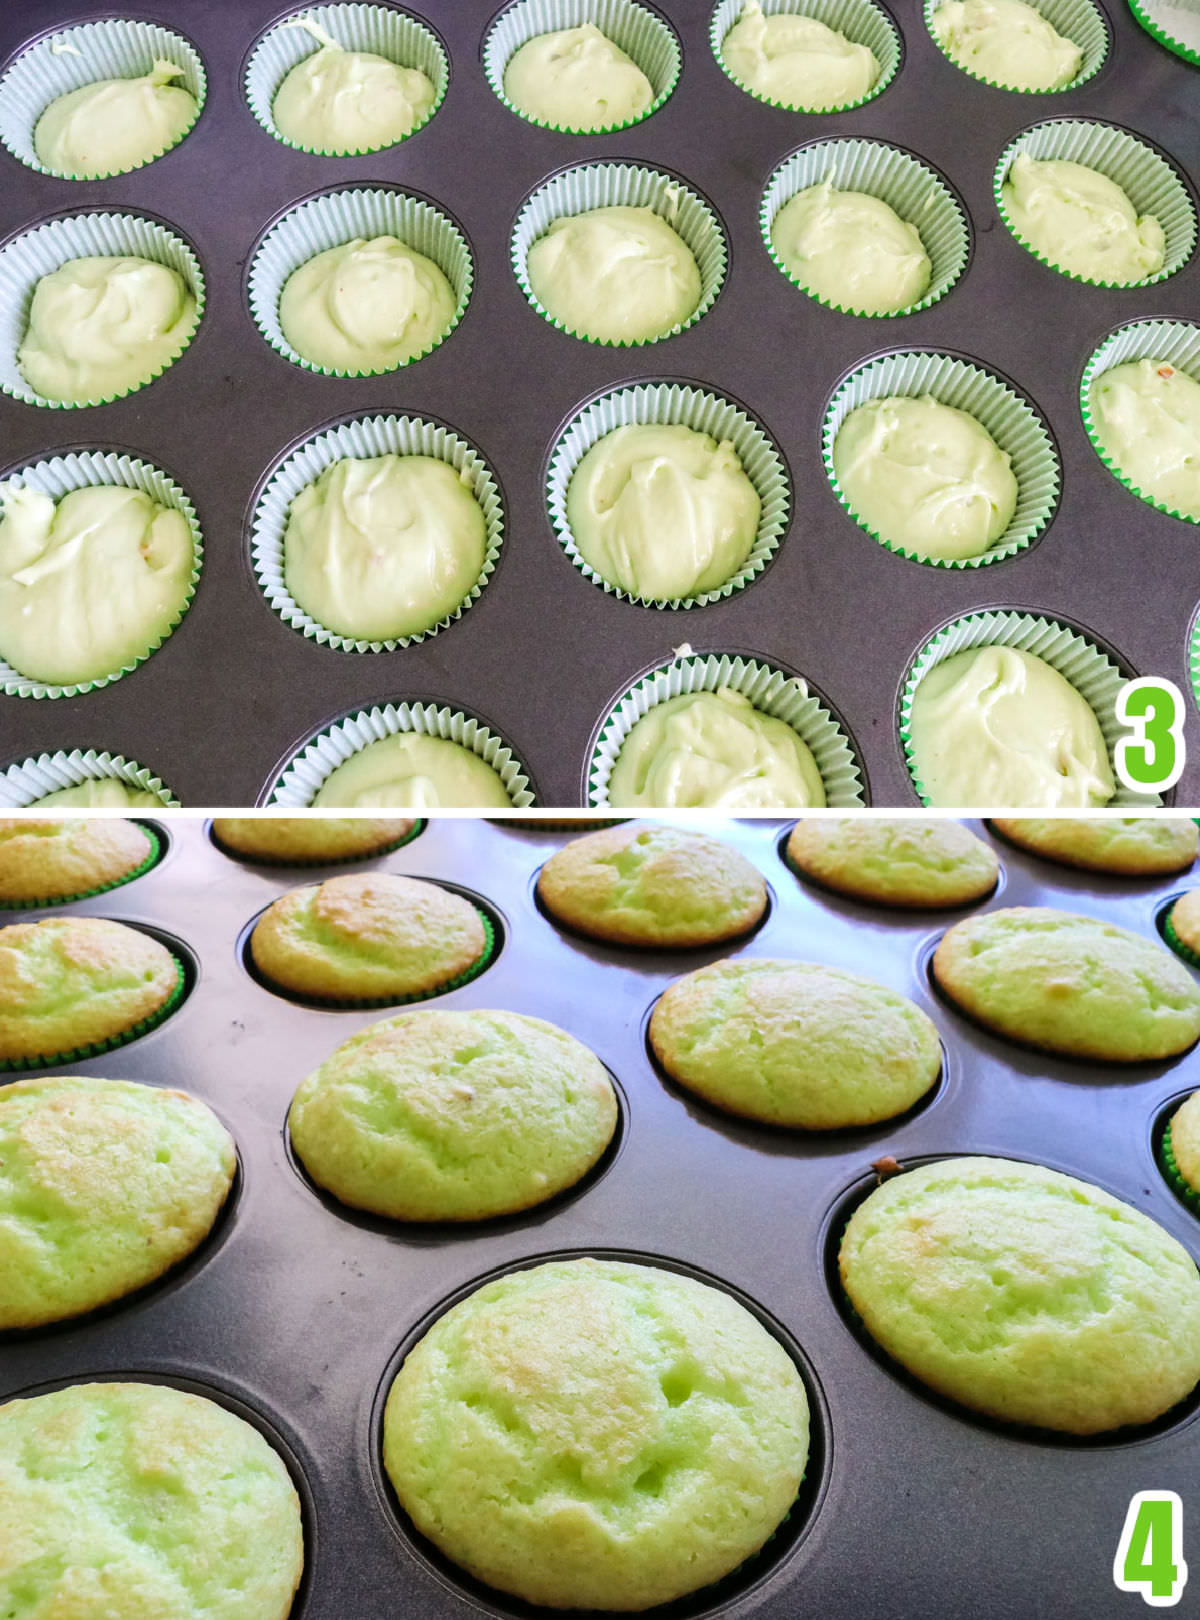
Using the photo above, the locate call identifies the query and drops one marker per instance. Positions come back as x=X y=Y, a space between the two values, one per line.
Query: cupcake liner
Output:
x=362 y=438
x=674 y=404
x=418 y=827
x=624 y=185
x=78 y=1054
x=558 y=824
x=305 y=774
x=334 y=218
x=1194 y=665
x=1080 y=21
x=56 y=64
x=1174 y=1176
x=1010 y=419
x=153 y=856
x=906 y=183
x=35 y=253
x=640 y=33
x=1184 y=952
x=89 y=469
x=784 y=697
x=1091 y=672
x=1169 y=24
x=1152 y=184
x=381 y=30
x=23 y=784
x=1175 y=341
x=861 y=21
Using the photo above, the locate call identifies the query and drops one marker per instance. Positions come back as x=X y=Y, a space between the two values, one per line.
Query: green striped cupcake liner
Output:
x=78 y=1054
x=1080 y=21
x=306 y=773
x=58 y=63
x=1152 y=184
x=703 y=412
x=1194 y=665
x=1174 y=1176
x=90 y=469
x=1090 y=671
x=639 y=32
x=418 y=827
x=861 y=21
x=333 y=218
x=1178 y=343
x=1175 y=26
x=153 y=856
x=783 y=697
x=24 y=784
x=909 y=186
x=365 y=437
x=26 y=258
x=382 y=30
x=1184 y=952
x=624 y=185
x=1009 y=418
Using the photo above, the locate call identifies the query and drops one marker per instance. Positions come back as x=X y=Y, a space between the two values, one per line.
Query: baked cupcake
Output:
x=1025 y=1294
x=1069 y=984
x=912 y=862
x=597 y=1434
x=299 y=840
x=653 y=886
x=371 y=936
x=139 y=1499
x=61 y=859
x=453 y=1116
x=106 y=1186
x=795 y=1043
x=71 y=985
x=1131 y=846
x=1181 y=925
x=1181 y=1149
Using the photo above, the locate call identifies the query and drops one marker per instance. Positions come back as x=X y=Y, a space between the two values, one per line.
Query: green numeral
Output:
x=1149 y=1556
x=1153 y=755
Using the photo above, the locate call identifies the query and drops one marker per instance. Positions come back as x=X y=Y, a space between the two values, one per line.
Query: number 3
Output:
x=1150 y=1552
x=1153 y=756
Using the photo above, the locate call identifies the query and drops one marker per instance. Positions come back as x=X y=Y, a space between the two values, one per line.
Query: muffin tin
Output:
x=543 y=654
x=299 y=1309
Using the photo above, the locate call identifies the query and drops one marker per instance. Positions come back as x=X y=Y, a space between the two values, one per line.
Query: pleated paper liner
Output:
x=1169 y=1166
x=22 y=785
x=784 y=697
x=365 y=437
x=1175 y=25
x=56 y=64
x=153 y=855
x=1184 y=952
x=624 y=185
x=415 y=831
x=1080 y=21
x=861 y=21
x=703 y=412
x=332 y=219
x=1009 y=418
x=381 y=30
x=306 y=773
x=643 y=35
x=1090 y=671
x=558 y=824
x=1178 y=343
x=27 y=257
x=1152 y=184
x=89 y=469
x=910 y=187
x=78 y=1054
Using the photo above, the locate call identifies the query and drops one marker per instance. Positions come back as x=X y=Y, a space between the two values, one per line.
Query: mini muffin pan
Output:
x=910 y=1507
x=542 y=655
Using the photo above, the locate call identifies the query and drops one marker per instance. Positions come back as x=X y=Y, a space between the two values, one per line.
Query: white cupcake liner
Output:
x=1194 y=664
x=382 y=30
x=335 y=217
x=364 y=437
x=1011 y=420
x=26 y=258
x=1175 y=26
x=909 y=186
x=112 y=49
x=22 y=784
x=861 y=21
x=1090 y=671
x=624 y=185
x=643 y=35
x=784 y=697
x=703 y=412
x=1152 y=184
x=1080 y=21
x=89 y=469
x=309 y=768
x=1177 y=342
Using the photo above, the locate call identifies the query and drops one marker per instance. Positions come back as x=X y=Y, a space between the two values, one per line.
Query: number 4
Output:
x=1150 y=1552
